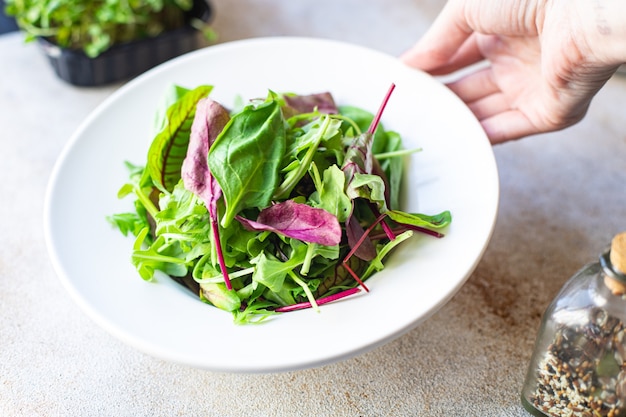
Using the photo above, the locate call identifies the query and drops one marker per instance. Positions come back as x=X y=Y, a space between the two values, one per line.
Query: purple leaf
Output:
x=324 y=103
x=354 y=231
x=208 y=123
x=297 y=221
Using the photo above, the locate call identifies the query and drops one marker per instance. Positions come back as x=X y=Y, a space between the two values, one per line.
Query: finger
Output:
x=507 y=126
x=489 y=106
x=467 y=54
x=475 y=86
x=440 y=42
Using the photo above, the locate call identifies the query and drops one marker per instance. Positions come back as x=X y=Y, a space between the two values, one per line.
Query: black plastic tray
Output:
x=125 y=61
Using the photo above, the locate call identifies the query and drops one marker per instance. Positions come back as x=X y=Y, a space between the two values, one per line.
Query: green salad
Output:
x=278 y=204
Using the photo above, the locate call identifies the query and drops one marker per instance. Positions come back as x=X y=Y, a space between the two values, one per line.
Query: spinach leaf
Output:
x=246 y=156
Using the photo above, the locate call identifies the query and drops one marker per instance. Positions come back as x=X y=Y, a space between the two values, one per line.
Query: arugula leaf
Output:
x=331 y=195
x=151 y=259
x=377 y=262
x=271 y=272
x=246 y=156
x=320 y=130
x=132 y=223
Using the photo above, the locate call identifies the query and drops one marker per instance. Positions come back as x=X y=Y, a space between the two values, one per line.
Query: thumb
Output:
x=440 y=43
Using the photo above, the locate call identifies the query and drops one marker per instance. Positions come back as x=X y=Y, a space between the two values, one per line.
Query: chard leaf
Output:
x=208 y=123
x=246 y=156
x=171 y=96
x=436 y=221
x=298 y=221
x=354 y=232
x=169 y=147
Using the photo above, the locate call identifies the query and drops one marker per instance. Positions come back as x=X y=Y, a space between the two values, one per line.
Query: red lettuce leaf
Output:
x=323 y=102
x=208 y=123
x=298 y=221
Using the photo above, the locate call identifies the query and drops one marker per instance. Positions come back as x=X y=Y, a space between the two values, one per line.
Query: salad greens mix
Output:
x=283 y=203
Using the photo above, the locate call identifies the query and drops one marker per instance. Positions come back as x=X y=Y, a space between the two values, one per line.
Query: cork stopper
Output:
x=618 y=262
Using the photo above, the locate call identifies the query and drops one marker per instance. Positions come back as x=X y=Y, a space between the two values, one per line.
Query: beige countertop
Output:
x=563 y=196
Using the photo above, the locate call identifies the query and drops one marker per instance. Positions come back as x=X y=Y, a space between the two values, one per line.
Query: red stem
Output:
x=325 y=300
x=356 y=247
x=388 y=231
x=376 y=120
x=220 y=256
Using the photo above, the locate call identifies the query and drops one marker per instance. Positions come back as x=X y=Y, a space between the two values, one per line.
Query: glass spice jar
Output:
x=578 y=367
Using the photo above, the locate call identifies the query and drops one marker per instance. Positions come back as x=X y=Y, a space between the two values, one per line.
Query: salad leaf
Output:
x=220 y=296
x=323 y=129
x=315 y=208
x=436 y=221
x=169 y=148
x=322 y=102
x=246 y=156
x=271 y=272
x=210 y=119
x=331 y=195
x=298 y=221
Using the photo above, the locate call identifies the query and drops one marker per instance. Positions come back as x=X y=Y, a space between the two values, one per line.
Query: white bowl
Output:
x=456 y=171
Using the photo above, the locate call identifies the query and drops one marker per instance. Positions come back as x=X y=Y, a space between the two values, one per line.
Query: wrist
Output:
x=604 y=25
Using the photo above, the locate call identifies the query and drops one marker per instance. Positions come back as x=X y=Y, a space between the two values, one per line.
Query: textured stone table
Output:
x=563 y=196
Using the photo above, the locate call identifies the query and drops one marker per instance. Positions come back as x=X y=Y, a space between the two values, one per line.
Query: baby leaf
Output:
x=322 y=102
x=370 y=187
x=332 y=196
x=220 y=296
x=298 y=221
x=436 y=221
x=208 y=123
x=246 y=156
x=271 y=272
x=169 y=147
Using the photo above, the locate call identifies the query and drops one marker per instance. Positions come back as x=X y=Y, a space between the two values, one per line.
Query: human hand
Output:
x=548 y=58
